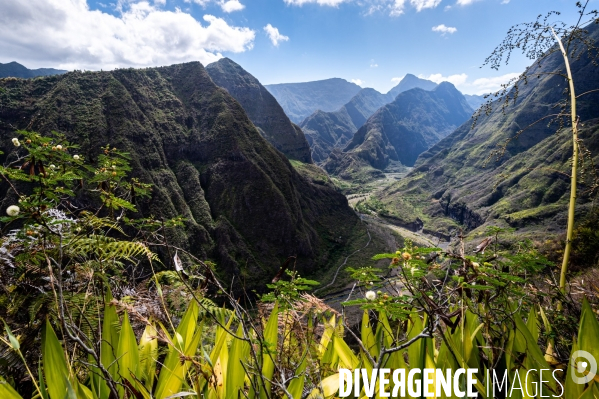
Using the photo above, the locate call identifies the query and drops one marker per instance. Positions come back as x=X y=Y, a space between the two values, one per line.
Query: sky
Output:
x=373 y=43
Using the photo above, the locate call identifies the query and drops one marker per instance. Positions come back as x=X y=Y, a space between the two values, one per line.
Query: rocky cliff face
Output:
x=300 y=100
x=458 y=183
x=400 y=131
x=262 y=109
x=246 y=206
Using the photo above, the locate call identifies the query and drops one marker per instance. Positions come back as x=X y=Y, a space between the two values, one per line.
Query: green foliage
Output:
x=372 y=205
x=288 y=292
x=72 y=232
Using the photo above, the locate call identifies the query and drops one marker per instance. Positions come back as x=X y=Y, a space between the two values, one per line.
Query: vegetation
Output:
x=537 y=41
x=439 y=310
x=98 y=301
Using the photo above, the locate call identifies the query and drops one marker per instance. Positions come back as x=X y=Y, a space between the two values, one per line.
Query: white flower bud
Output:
x=76 y=157
x=16 y=142
x=13 y=210
x=370 y=295
x=59 y=147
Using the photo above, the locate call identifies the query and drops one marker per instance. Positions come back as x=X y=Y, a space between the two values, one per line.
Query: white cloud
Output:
x=456 y=80
x=478 y=86
x=465 y=2
x=396 y=8
x=226 y=5
x=397 y=80
x=488 y=85
x=331 y=3
x=422 y=4
x=444 y=29
x=67 y=34
x=373 y=64
x=156 y=2
x=359 y=82
x=505 y=1
x=393 y=7
x=274 y=35
x=231 y=5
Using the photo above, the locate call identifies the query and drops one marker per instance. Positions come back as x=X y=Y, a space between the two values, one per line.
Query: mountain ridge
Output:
x=15 y=70
x=299 y=100
x=262 y=109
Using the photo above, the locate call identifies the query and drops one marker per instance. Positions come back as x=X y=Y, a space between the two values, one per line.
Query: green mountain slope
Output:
x=457 y=184
x=247 y=207
x=300 y=100
x=262 y=109
x=401 y=131
x=16 y=70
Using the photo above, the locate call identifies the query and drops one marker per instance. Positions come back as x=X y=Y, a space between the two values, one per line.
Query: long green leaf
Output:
x=127 y=352
x=238 y=353
x=108 y=346
x=171 y=375
x=271 y=335
x=148 y=355
x=56 y=370
x=296 y=386
x=8 y=392
x=588 y=333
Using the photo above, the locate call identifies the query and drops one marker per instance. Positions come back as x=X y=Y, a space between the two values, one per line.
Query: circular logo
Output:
x=583 y=363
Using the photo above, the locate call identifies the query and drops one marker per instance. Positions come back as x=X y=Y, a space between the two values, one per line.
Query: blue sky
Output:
x=372 y=42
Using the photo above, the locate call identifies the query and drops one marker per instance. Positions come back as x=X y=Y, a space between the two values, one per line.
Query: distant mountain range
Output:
x=401 y=130
x=16 y=70
x=328 y=130
x=262 y=109
x=299 y=100
x=458 y=184
x=333 y=130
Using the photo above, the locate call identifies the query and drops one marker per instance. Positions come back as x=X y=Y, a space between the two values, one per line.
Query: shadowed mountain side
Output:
x=328 y=130
x=262 y=109
x=16 y=70
x=246 y=206
x=456 y=182
x=402 y=130
x=300 y=100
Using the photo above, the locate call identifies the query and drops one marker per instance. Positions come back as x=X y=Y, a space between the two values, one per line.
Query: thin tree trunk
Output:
x=573 y=183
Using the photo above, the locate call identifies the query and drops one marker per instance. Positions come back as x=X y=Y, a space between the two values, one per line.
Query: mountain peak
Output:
x=446 y=86
x=408 y=82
